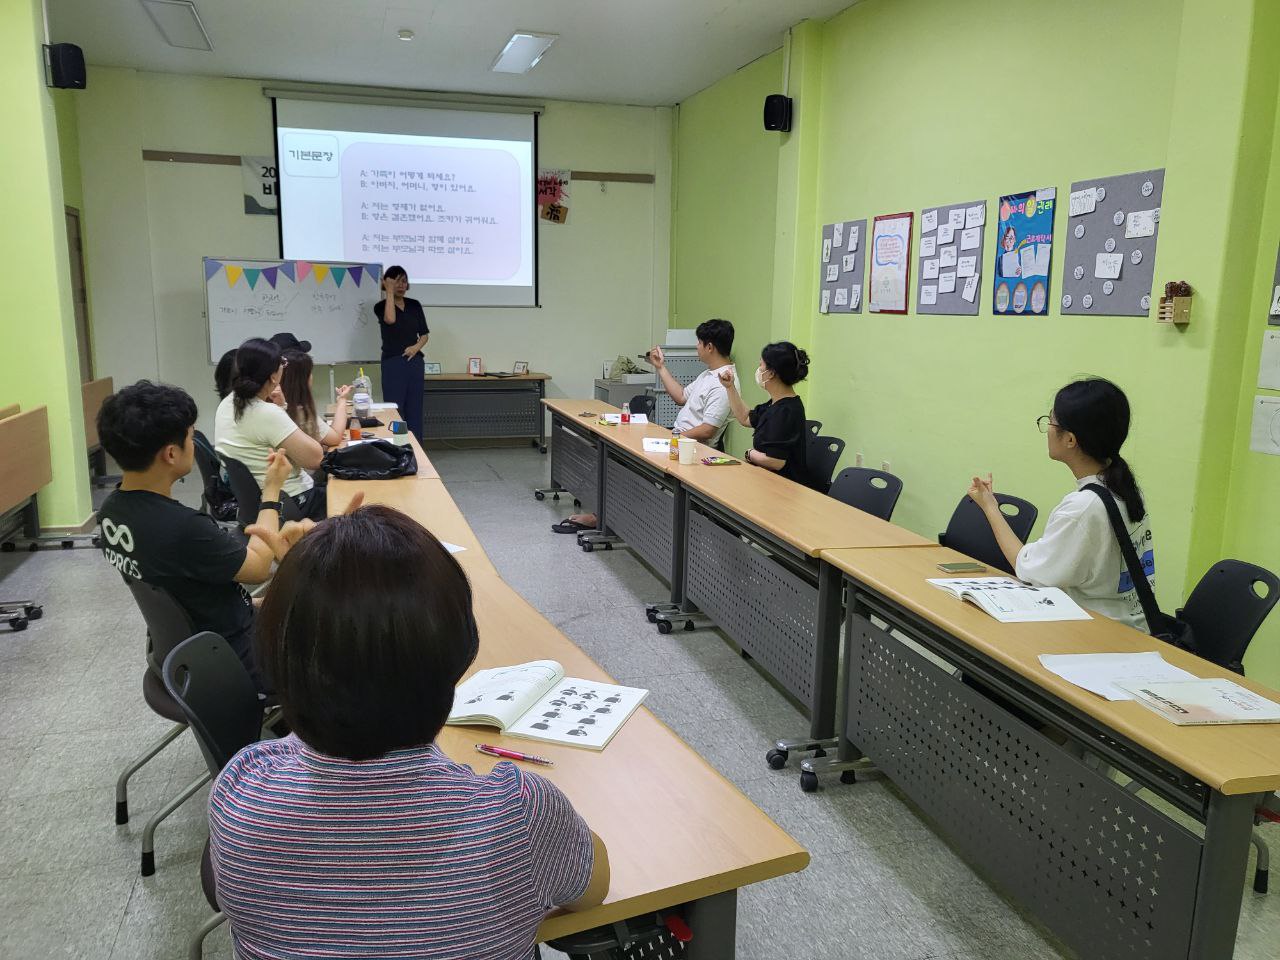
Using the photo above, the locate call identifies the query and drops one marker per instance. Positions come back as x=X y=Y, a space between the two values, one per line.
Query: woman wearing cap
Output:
x=403 y=326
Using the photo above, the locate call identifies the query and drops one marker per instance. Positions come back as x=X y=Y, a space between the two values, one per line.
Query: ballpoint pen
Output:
x=512 y=754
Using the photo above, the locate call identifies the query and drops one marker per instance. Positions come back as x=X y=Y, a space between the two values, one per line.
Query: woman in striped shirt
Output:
x=356 y=836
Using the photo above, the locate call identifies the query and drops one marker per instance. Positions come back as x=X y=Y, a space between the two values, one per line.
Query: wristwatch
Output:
x=275 y=505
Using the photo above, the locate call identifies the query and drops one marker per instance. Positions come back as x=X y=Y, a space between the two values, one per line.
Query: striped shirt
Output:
x=409 y=855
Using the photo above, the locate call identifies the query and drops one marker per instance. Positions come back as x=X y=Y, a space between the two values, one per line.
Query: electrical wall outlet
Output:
x=884 y=465
x=857 y=459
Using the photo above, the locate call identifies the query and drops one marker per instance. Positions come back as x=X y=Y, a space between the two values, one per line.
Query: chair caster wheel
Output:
x=68 y=544
x=664 y=627
x=34 y=612
x=651 y=616
x=808 y=781
x=819 y=752
x=608 y=546
x=587 y=547
x=577 y=502
x=776 y=759
x=539 y=495
x=688 y=626
x=848 y=776
x=7 y=547
x=555 y=497
x=18 y=623
x=32 y=547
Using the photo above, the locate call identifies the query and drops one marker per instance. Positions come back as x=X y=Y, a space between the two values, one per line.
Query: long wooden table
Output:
x=26 y=465
x=676 y=830
x=1057 y=832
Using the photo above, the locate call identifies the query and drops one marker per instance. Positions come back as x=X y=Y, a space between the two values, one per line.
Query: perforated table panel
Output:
x=765 y=607
x=641 y=511
x=481 y=410
x=1109 y=874
x=575 y=464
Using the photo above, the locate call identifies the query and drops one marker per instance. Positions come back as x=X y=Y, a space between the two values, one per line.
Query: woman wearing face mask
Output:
x=780 y=442
x=1079 y=552
x=403 y=326
x=248 y=427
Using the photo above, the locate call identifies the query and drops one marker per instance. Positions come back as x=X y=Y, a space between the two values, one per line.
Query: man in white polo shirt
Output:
x=704 y=404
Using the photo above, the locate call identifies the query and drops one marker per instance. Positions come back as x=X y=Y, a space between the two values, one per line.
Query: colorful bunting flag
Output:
x=319 y=271
x=339 y=274
x=303 y=269
x=233 y=274
x=252 y=275
x=211 y=268
x=287 y=269
x=269 y=274
x=356 y=274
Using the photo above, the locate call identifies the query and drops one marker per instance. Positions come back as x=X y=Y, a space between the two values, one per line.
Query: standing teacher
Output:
x=404 y=331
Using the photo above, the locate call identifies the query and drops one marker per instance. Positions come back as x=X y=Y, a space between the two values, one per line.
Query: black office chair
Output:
x=823 y=454
x=167 y=626
x=814 y=427
x=644 y=403
x=969 y=531
x=874 y=491
x=206 y=679
x=216 y=498
x=246 y=490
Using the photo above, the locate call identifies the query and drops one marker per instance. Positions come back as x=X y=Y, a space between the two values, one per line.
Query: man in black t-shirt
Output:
x=148 y=430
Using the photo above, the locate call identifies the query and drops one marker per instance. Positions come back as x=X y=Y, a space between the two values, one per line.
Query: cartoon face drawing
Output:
x=540 y=726
x=591 y=695
x=578 y=706
x=558 y=703
x=577 y=732
x=587 y=721
x=603 y=710
x=508 y=695
x=568 y=692
x=476 y=699
x=551 y=714
x=614 y=699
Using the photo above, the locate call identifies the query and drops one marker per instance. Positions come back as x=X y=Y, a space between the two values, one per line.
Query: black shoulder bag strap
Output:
x=1157 y=622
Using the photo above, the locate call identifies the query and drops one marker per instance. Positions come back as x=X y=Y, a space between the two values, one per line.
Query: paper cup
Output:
x=688 y=449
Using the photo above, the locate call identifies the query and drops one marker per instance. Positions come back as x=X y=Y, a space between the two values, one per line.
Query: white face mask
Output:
x=759 y=378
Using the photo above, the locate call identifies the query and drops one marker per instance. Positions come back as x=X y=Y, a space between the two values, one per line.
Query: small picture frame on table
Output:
x=475 y=366
x=431 y=369
x=520 y=367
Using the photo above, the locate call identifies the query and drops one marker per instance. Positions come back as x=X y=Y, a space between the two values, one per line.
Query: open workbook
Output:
x=537 y=701
x=1012 y=601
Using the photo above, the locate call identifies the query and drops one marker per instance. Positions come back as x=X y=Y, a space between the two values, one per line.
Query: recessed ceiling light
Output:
x=523 y=51
x=179 y=23
x=405 y=34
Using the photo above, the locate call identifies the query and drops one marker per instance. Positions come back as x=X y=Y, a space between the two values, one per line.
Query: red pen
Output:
x=512 y=755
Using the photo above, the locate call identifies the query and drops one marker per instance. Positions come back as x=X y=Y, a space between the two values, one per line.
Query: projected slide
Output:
x=450 y=210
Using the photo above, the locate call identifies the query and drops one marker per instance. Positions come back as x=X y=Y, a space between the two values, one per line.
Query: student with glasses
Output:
x=1078 y=551
x=248 y=427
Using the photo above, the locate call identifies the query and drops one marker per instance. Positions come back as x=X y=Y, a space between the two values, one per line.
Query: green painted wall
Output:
x=65 y=112
x=38 y=365
x=908 y=104
x=725 y=181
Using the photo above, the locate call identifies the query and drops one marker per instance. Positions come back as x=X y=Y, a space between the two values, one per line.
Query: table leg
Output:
x=714 y=922
x=31 y=519
x=542 y=417
x=1220 y=888
x=827 y=656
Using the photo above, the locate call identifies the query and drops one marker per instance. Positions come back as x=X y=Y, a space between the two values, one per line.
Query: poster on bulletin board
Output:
x=890 y=263
x=1024 y=248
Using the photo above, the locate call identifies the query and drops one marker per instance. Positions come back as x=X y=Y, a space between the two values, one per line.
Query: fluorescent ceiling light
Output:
x=523 y=51
x=179 y=23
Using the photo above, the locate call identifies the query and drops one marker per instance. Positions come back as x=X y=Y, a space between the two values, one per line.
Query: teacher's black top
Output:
x=411 y=323
x=781 y=433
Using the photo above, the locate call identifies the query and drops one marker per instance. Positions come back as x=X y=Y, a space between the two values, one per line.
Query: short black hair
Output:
x=395 y=272
x=137 y=422
x=365 y=631
x=718 y=333
x=788 y=361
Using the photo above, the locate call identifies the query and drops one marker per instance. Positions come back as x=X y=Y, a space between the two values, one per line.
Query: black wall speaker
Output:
x=777 y=112
x=66 y=66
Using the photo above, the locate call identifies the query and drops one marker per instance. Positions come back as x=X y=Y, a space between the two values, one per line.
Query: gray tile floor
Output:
x=881 y=885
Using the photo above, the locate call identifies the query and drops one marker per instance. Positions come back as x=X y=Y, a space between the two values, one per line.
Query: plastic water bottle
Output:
x=626 y=412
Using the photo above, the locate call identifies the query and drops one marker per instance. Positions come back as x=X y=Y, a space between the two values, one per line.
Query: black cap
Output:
x=287 y=341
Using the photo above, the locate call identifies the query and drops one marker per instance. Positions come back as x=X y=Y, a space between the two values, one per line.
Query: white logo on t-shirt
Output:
x=117 y=535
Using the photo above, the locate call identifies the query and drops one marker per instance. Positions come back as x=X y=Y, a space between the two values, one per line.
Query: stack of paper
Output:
x=1104 y=673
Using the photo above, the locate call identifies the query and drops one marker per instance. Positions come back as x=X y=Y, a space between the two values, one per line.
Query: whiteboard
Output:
x=330 y=304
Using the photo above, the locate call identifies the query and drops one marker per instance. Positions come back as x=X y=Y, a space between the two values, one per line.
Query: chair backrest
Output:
x=247 y=493
x=823 y=454
x=969 y=531
x=214 y=492
x=874 y=491
x=815 y=427
x=168 y=624
x=643 y=403
x=1227 y=607
x=214 y=690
